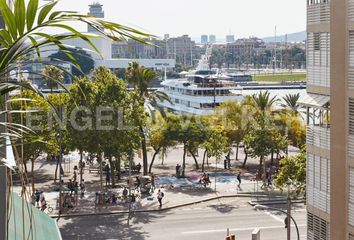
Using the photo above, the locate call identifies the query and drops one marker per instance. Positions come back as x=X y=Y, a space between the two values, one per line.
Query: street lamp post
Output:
x=288 y=214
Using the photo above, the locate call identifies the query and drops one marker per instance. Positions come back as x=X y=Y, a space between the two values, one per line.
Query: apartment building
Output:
x=330 y=119
x=182 y=49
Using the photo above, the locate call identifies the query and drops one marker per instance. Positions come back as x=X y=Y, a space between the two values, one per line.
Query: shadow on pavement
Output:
x=222 y=208
x=107 y=227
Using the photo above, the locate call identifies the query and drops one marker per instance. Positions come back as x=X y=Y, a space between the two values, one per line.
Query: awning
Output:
x=314 y=100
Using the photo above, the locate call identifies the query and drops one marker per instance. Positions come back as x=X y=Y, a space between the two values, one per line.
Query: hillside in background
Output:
x=292 y=37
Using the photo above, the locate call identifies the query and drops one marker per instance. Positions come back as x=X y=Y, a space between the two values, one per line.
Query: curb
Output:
x=157 y=210
x=274 y=202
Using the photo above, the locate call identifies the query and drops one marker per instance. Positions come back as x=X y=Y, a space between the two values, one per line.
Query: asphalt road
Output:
x=202 y=221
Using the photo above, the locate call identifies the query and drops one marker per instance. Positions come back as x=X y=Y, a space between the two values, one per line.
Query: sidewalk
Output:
x=174 y=197
x=177 y=192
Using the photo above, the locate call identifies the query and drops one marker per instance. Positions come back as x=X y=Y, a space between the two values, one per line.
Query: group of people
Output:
x=205 y=179
x=39 y=198
x=179 y=170
x=268 y=178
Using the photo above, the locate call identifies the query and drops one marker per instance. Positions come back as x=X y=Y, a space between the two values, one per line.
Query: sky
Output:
x=242 y=18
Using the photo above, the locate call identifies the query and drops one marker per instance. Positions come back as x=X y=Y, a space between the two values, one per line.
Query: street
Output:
x=207 y=220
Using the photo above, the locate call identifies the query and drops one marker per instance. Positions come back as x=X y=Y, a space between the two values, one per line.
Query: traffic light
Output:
x=286 y=222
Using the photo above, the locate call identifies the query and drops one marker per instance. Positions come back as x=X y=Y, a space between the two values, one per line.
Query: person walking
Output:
x=82 y=187
x=125 y=194
x=74 y=179
x=37 y=195
x=133 y=201
x=108 y=175
x=160 y=196
x=239 y=180
x=138 y=182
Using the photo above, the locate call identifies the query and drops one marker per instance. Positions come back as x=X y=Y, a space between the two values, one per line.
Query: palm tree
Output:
x=262 y=101
x=52 y=75
x=291 y=103
x=141 y=78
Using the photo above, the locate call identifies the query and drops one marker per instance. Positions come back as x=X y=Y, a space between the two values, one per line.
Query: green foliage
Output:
x=52 y=76
x=295 y=56
x=216 y=143
x=23 y=36
x=262 y=138
x=293 y=172
x=279 y=77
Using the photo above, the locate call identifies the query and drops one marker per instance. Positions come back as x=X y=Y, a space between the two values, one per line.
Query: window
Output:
x=351 y=116
x=317 y=228
x=316 y=41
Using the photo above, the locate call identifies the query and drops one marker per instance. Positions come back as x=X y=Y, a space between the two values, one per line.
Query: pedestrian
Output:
x=42 y=201
x=239 y=179
x=125 y=194
x=75 y=175
x=37 y=195
x=160 y=196
x=132 y=201
x=108 y=174
x=82 y=187
x=138 y=182
x=71 y=186
x=138 y=167
x=177 y=170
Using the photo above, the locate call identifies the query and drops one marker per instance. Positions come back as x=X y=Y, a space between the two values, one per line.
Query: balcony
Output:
x=318 y=136
x=318 y=13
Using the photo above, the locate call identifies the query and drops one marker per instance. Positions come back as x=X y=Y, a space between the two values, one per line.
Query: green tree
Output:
x=215 y=143
x=263 y=138
x=141 y=78
x=52 y=76
x=293 y=172
x=160 y=139
x=191 y=134
x=32 y=110
x=291 y=103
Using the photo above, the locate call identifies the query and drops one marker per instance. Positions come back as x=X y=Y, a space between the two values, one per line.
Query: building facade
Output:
x=212 y=39
x=204 y=39
x=182 y=49
x=96 y=10
x=136 y=49
x=330 y=118
x=230 y=38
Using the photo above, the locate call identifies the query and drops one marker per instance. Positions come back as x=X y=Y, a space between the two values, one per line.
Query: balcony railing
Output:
x=318 y=13
x=318 y=136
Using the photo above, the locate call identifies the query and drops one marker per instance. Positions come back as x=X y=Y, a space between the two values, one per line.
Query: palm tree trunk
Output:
x=237 y=146
x=143 y=146
x=195 y=160
x=32 y=174
x=204 y=156
x=246 y=156
x=184 y=160
x=101 y=177
x=118 y=166
x=81 y=168
x=113 y=172
x=56 y=170
x=260 y=166
x=153 y=158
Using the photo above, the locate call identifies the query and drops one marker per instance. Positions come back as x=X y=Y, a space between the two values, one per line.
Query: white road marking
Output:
x=236 y=229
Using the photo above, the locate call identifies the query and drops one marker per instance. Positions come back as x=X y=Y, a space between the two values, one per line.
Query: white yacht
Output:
x=200 y=91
